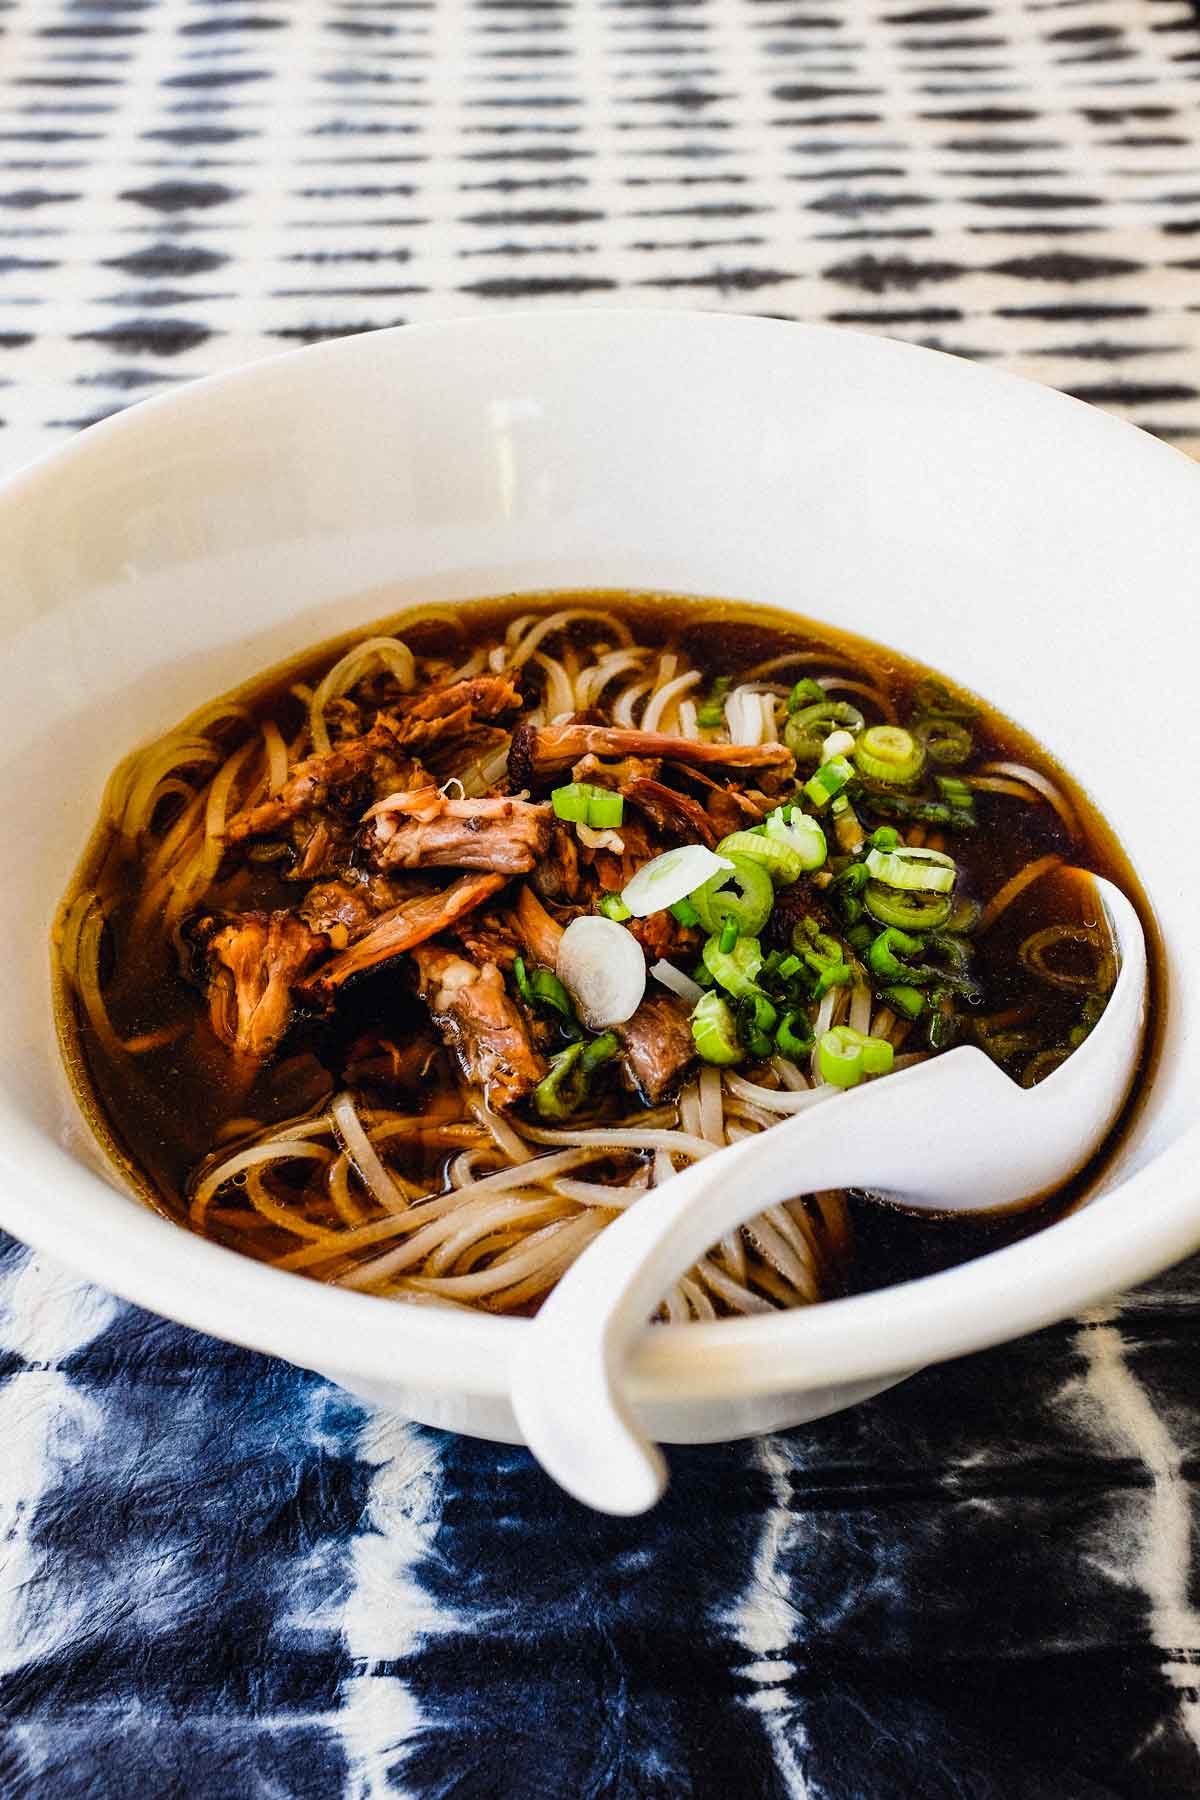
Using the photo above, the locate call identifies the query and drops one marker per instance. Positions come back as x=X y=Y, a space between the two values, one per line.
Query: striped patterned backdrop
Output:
x=220 y=1579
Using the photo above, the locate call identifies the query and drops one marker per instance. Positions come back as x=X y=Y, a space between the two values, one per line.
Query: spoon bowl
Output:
x=950 y=1134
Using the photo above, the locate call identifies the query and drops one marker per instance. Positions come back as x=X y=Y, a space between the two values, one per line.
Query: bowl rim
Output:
x=1112 y=1243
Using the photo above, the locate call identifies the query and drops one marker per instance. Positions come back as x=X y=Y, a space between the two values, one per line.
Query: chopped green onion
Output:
x=793 y=1035
x=890 y=754
x=922 y=871
x=735 y=969
x=936 y=699
x=714 y=1032
x=906 y=807
x=908 y=1001
x=606 y=810
x=742 y=893
x=885 y=838
x=544 y=990
x=912 y=912
x=806 y=730
x=583 y=803
x=829 y=780
x=779 y=857
x=756 y=1021
x=613 y=907
x=791 y=965
x=712 y=711
x=788 y=825
x=859 y=937
x=729 y=936
x=683 y=912
x=844 y=1056
x=804 y=693
x=884 y=963
x=945 y=741
x=564 y=1088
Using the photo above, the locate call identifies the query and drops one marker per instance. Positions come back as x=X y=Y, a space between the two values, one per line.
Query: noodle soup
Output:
x=410 y=967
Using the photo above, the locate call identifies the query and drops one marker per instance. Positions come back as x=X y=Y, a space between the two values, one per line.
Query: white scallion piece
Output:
x=602 y=968
x=679 y=983
x=671 y=877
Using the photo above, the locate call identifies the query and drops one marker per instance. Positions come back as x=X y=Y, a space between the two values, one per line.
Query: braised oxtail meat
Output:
x=556 y=874
x=658 y=1046
x=340 y=777
x=415 y=919
x=541 y=751
x=252 y=961
x=479 y=1023
x=427 y=830
x=728 y=806
x=672 y=811
x=485 y=938
x=341 y=910
x=539 y=932
x=615 y=775
x=486 y=696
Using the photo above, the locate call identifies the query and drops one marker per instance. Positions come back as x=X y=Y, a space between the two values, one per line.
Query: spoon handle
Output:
x=567 y=1382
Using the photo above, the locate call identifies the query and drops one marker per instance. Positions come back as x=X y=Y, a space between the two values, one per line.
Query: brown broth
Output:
x=159 y=1113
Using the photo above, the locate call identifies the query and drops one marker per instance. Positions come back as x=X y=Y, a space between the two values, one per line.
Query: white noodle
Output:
x=655 y=717
x=1035 y=779
x=860 y=1009
x=625 y=702
x=712 y=1116
x=365 y=1158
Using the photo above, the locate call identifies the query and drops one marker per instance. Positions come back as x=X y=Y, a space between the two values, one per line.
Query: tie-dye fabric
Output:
x=221 y=1579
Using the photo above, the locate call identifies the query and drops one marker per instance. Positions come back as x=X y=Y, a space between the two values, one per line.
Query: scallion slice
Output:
x=778 y=856
x=920 y=871
x=741 y=890
x=889 y=754
x=829 y=780
x=911 y=911
x=672 y=876
x=583 y=803
x=736 y=969
x=845 y=1056
x=714 y=1032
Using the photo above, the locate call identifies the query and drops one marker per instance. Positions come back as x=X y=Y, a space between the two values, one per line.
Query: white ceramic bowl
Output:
x=1034 y=549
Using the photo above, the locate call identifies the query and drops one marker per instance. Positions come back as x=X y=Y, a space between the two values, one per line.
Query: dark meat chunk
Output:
x=419 y=917
x=729 y=808
x=675 y=813
x=337 y=908
x=615 y=775
x=479 y=1023
x=556 y=873
x=252 y=962
x=425 y=830
x=797 y=901
x=613 y=871
x=487 y=696
x=540 y=934
x=453 y=712
x=345 y=778
x=658 y=1047
x=660 y=934
x=539 y=752
x=486 y=938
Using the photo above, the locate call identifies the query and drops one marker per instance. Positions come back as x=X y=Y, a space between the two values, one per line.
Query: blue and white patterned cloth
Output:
x=221 y=1579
